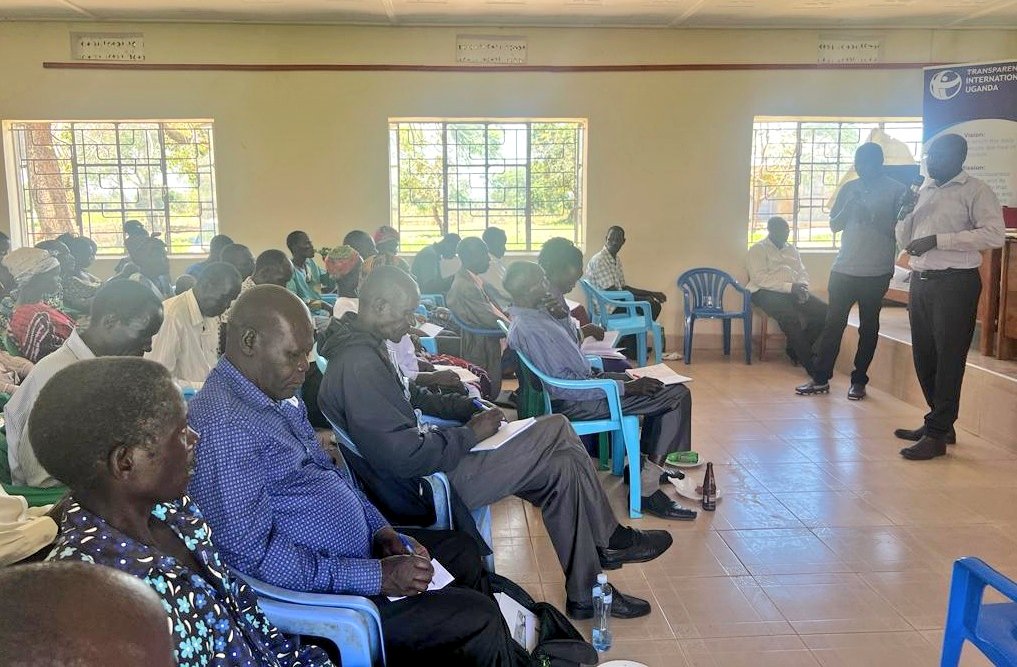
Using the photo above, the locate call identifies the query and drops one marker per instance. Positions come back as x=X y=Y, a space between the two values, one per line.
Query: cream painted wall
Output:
x=668 y=152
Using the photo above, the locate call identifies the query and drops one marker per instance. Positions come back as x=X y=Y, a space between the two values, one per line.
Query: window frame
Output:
x=577 y=234
x=19 y=226
x=796 y=199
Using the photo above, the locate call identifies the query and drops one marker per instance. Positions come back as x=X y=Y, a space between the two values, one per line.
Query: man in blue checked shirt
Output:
x=282 y=511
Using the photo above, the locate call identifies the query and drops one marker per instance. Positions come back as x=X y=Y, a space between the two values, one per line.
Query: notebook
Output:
x=441 y=579
x=660 y=372
x=507 y=431
x=429 y=329
x=465 y=374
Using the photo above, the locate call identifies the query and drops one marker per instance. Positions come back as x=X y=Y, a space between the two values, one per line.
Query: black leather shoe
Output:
x=665 y=476
x=919 y=433
x=646 y=545
x=812 y=388
x=622 y=606
x=659 y=505
x=856 y=392
x=925 y=449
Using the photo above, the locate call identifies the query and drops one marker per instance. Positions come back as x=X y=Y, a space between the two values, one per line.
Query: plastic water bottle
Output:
x=603 y=595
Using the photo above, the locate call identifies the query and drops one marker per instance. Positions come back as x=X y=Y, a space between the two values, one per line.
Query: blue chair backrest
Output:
x=489 y=333
x=704 y=288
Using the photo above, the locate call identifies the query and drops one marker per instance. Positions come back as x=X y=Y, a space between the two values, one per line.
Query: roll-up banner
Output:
x=979 y=102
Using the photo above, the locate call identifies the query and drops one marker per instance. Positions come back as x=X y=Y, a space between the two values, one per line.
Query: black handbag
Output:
x=559 y=643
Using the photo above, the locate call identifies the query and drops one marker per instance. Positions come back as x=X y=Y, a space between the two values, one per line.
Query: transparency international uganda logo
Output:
x=945 y=84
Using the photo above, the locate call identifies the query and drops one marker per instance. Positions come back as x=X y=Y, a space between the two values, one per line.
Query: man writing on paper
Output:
x=553 y=349
x=286 y=512
x=365 y=394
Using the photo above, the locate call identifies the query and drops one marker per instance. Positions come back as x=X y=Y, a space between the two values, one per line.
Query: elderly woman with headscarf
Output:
x=30 y=315
x=387 y=240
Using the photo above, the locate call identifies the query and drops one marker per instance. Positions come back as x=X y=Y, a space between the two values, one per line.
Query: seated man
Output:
x=80 y=614
x=604 y=271
x=216 y=245
x=496 y=240
x=240 y=258
x=307 y=281
x=283 y=512
x=426 y=267
x=780 y=286
x=362 y=242
x=271 y=268
x=127 y=456
x=125 y=316
x=667 y=411
x=364 y=393
x=25 y=531
x=188 y=342
x=148 y=265
x=471 y=304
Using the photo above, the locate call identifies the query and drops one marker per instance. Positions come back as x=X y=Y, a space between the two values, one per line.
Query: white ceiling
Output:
x=651 y=13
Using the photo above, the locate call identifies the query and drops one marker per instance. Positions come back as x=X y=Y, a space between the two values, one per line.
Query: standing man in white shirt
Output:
x=956 y=217
x=124 y=317
x=188 y=342
x=780 y=286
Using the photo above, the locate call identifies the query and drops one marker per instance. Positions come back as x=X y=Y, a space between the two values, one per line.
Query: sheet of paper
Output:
x=507 y=431
x=441 y=579
x=465 y=374
x=523 y=623
x=430 y=329
x=597 y=348
x=571 y=304
x=661 y=372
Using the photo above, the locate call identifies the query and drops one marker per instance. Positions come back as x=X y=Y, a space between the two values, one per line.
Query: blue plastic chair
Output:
x=992 y=628
x=441 y=491
x=624 y=429
x=635 y=318
x=430 y=344
x=330 y=299
x=351 y=622
x=476 y=331
x=703 y=290
x=435 y=299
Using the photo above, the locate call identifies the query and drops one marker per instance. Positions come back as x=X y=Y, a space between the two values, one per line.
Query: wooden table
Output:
x=989 y=301
x=1006 y=333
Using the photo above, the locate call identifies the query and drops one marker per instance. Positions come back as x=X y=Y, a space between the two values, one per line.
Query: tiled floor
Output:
x=827 y=548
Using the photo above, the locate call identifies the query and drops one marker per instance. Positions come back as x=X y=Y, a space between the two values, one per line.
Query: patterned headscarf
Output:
x=385 y=233
x=27 y=263
x=341 y=260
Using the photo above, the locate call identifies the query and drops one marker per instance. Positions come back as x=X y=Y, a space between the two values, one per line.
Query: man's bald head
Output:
x=388 y=299
x=473 y=254
x=70 y=613
x=268 y=338
x=525 y=282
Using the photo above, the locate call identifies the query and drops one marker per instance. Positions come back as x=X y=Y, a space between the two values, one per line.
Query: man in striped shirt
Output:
x=780 y=286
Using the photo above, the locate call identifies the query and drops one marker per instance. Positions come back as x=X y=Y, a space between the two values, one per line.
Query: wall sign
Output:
x=484 y=50
x=127 y=46
x=849 y=51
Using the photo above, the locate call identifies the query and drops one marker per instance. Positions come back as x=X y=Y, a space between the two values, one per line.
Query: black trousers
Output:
x=943 y=307
x=667 y=416
x=458 y=625
x=802 y=323
x=845 y=292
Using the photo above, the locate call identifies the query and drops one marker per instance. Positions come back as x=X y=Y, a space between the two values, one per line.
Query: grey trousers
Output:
x=667 y=417
x=547 y=466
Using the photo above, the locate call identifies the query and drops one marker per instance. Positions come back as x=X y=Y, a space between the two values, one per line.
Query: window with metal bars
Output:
x=798 y=164
x=462 y=176
x=89 y=177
